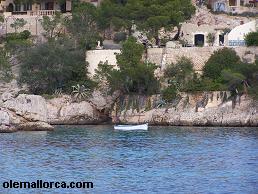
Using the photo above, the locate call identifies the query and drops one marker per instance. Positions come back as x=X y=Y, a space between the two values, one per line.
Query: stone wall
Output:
x=33 y=24
x=198 y=55
x=165 y=56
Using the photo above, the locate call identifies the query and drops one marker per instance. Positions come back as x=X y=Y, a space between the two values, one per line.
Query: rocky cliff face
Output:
x=25 y=112
x=203 y=109
x=31 y=112
x=64 y=110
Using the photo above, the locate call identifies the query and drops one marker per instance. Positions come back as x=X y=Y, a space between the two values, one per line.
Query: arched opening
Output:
x=49 y=6
x=10 y=7
x=63 y=7
x=220 y=7
x=199 y=39
x=221 y=40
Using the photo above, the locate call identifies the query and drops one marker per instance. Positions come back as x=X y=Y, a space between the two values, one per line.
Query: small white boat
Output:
x=131 y=127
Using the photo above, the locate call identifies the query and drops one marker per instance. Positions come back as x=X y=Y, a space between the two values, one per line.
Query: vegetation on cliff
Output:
x=148 y=16
x=252 y=39
x=5 y=66
x=223 y=71
x=134 y=75
x=59 y=62
x=53 y=65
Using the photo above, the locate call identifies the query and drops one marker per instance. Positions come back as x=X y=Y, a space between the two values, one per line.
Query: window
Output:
x=17 y=7
x=27 y=6
x=232 y=3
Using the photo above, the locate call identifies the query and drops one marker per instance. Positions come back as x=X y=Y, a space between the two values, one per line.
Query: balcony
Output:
x=42 y=12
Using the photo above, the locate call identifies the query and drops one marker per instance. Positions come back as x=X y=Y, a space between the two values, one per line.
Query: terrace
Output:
x=44 y=7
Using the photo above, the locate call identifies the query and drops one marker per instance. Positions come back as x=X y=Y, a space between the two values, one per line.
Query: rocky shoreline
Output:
x=35 y=113
x=199 y=109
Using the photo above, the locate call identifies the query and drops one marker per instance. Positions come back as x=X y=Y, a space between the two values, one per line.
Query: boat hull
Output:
x=131 y=127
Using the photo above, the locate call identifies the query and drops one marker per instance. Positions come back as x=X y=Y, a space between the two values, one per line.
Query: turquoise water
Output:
x=162 y=160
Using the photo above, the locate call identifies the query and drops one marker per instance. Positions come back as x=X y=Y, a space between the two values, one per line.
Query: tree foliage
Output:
x=222 y=59
x=180 y=73
x=149 y=16
x=53 y=65
x=133 y=75
x=5 y=66
x=18 y=23
x=1 y=19
x=53 y=26
x=251 y=39
x=227 y=71
x=83 y=27
x=177 y=76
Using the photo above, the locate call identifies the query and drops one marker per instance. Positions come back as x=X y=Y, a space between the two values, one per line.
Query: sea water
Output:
x=161 y=160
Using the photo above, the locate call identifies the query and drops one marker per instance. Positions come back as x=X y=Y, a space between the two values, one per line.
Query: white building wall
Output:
x=94 y=57
x=237 y=35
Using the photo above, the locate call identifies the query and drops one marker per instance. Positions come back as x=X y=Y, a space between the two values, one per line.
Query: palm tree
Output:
x=80 y=92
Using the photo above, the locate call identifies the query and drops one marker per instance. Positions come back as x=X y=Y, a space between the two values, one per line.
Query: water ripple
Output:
x=162 y=160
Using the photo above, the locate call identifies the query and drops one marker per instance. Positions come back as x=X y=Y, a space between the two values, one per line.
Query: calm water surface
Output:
x=162 y=160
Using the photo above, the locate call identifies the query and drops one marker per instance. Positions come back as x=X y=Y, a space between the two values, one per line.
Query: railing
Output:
x=19 y=13
x=43 y=12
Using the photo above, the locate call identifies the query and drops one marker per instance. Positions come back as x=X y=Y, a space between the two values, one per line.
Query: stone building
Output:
x=237 y=35
x=43 y=7
x=32 y=13
x=94 y=2
x=234 y=6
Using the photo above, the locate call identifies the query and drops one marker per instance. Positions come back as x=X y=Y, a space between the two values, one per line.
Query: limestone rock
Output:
x=64 y=111
x=214 y=111
x=102 y=102
x=4 y=118
x=98 y=100
x=30 y=107
x=25 y=112
x=6 y=96
x=7 y=129
x=35 y=126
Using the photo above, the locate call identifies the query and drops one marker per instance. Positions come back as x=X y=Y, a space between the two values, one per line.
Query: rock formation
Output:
x=25 y=112
x=204 y=109
x=64 y=110
x=34 y=113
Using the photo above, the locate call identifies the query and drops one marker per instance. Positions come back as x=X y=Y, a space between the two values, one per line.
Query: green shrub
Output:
x=25 y=34
x=251 y=39
x=133 y=75
x=53 y=65
x=5 y=66
x=1 y=18
x=119 y=37
x=203 y=84
x=18 y=23
x=17 y=45
x=169 y=94
x=180 y=73
x=225 y=58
